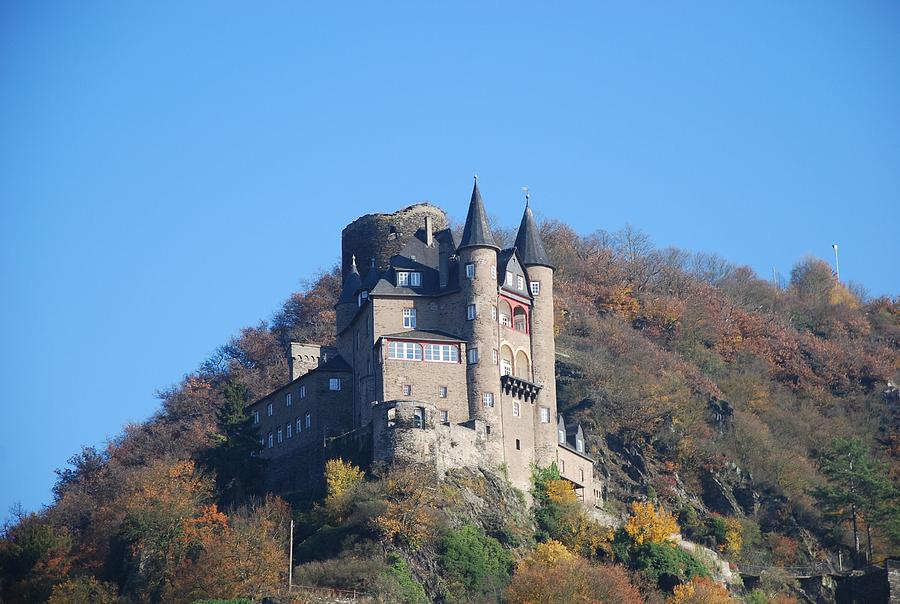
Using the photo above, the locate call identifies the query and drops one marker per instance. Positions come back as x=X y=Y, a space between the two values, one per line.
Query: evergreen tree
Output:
x=239 y=469
x=859 y=490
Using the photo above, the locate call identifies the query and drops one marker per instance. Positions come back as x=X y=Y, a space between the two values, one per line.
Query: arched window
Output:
x=523 y=368
x=506 y=361
x=505 y=313
x=520 y=319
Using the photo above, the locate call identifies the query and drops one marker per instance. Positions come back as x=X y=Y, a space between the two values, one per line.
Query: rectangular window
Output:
x=280 y=436
x=309 y=419
x=415 y=279
x=409 y=318
x=288 y=400
x=487 y=399
x=299 y=425
x=505 y=320
x=334 y=383
x=407 y=390
x=410 y=351
x=442 y=391
x=473 y=356
x=470 y=312
x=561 y=436
x=493 y=272
x=391 y=418
x=520 y=282
x=271 y=440
x=256 y=417
x=493 y=313
x=303 y=391
x=535 y=288
x=470 y=270
x=545 y=415
x=419 y=418
x=509 y=279
x=402 y=278
x=505 y=367
x=269 y=410
x=409 y=279
x=579 y=444
x=444 y=353
x=518 y=445
x=445 y=416
x=495 y=356
x=517 y=409
x=289 y=427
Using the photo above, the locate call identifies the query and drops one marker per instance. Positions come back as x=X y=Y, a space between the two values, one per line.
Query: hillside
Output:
x=725 y=401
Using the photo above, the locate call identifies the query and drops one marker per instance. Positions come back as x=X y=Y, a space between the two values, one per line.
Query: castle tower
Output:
x=477 y=252
x=347 y=303
x=534 y=257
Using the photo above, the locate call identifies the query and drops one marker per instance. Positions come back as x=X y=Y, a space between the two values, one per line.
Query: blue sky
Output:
x=170 y=172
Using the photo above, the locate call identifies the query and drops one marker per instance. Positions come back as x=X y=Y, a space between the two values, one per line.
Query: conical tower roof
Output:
x=528 y=241
x=477 y=231
x=352 y=283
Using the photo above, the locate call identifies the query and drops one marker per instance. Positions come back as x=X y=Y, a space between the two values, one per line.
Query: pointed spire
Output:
x=352 y=284
x=477 y=231
x=528 y=240
x=372 y=277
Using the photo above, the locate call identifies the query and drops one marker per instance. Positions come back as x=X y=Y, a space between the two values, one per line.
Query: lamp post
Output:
x=837 y=266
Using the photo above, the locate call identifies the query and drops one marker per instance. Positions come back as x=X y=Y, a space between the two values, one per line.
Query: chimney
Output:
x=429 y=232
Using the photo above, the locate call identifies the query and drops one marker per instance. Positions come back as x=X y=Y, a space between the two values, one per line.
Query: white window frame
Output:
x=419 y=417
x=471 y=312
x=442 y=392
x=271 y=440
x=399 y=350
x=487 y=399
x=509 y=279
x=280 y=435
x=409 y=318
x=470 y=270
x=289 y=429
x=472 y=356
x=402 y=278
x=445 y=416
x=440 y=353
x=495 y=356
x=545 y=415
x=288 y=399
x=535 y=288
x=506 y=367
x=493 y=271
x=299 y=425
x=561 y=436
x=302 y=390
x=407 y=389
x=308 y=420
x=334 y=384
x=579 y=445
x=520 y=282
x=517 y=409
x=269 y=410
x=493 y=312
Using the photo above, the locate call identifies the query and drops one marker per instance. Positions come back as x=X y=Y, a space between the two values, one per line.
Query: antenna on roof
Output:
x=527 y=196
x=476 y=177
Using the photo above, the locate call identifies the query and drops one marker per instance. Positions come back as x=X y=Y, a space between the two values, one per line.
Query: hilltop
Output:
x=717 y=403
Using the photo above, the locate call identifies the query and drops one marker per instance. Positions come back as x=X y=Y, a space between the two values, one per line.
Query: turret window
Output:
x=517 y=409
x=473 y=356
x=299 y=423
x=487 y=399
x=535 y=288
x=471 y=311
x=409 y=318
x=493 y=272
x=545 y=415
x=470 y=270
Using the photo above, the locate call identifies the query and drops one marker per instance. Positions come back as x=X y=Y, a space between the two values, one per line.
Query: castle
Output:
x=444 y=354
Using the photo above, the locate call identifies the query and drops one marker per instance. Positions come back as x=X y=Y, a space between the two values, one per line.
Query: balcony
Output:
x=519 y=388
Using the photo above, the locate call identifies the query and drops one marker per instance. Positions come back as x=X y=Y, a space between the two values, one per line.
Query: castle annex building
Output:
x=444 y=354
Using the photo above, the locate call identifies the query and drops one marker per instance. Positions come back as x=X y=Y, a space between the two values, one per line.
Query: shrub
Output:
x=650 y=525
x=84 y=590
x=406 y=589
x=474 y=560
x=666 y=565
x=701 y=591
x=341 y=479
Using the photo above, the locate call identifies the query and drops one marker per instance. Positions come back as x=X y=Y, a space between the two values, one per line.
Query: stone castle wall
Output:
x=381 y=236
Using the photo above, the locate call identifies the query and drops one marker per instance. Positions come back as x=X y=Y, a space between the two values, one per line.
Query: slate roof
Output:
x=371 y=277
x=423 y=334
x=528 y=242
x=477 y=231
x=351 y=285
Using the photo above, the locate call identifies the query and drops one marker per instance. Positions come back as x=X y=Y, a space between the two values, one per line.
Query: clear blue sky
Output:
x=171 y=171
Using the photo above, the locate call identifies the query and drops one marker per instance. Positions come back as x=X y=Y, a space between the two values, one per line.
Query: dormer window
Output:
x=409 y=279
x=509 y=279
x=520 y=282
x=579 y=444
x=562 y=436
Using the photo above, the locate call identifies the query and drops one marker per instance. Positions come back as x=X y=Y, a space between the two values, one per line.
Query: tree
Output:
x=650 y=525
x=858 y=489
x=84 y=590
x=341 y=480
x=239 y=471
x=701 y=590
x=475 y=561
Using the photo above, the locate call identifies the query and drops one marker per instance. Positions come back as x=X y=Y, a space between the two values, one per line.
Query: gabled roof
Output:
x=528 y=242
x=477 y=231
x=423 y=334
x=351 y=285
